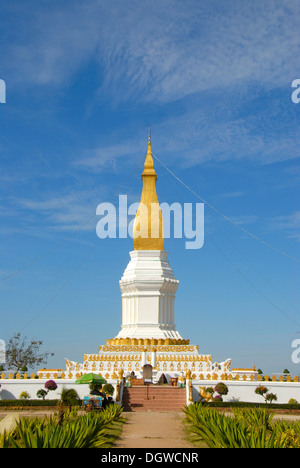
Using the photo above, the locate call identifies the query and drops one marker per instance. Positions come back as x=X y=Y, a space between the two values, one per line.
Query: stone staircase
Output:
x=153 y=398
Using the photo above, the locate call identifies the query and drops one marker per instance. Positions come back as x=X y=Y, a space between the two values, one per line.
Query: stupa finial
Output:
x=148 y=224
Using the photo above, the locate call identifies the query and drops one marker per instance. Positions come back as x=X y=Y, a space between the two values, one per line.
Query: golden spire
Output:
x=148 y=224
x=149 y=164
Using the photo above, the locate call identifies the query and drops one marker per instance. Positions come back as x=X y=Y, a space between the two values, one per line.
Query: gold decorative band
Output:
x=243 y=369
x=145 y=342
x=195 y=358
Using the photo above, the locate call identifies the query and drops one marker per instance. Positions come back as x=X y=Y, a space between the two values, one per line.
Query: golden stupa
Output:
x=148 y=229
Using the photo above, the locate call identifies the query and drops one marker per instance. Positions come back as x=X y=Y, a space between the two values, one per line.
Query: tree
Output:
x=24 y=396
x=41 y=393
x=19 y=354
x=270 y=397
x=221 y=388
x=108 y=389
x=95 y=388
x=68 y=397
x=50 y=386
x=261 y=390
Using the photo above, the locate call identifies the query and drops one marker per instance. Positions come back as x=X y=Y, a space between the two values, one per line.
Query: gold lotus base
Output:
x=145 y=342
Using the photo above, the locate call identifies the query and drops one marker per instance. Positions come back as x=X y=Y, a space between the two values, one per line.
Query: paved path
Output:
x=153 y=430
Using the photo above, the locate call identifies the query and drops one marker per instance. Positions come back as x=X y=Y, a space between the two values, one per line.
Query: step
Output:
x=166 y=391
x=154 y=398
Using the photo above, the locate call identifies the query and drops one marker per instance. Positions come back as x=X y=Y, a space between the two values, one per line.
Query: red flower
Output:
x=50 y=385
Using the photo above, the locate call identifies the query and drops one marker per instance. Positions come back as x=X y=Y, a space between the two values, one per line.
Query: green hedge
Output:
x=28 y=403
x=242 y=404
x=214 y=404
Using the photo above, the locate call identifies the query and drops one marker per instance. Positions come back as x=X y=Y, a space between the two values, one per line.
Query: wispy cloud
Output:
x=197 y=136
x=57 y=213
x=236 y=194
x=49 y=52
x=244 y=220
x=289 y=224
x=158 y=52
x=171 y=51
x=102 y=157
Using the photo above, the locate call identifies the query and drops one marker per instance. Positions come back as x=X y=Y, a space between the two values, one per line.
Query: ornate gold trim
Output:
x=145 y=342
x=50 y=370
x=243 y=369
x=140 y=349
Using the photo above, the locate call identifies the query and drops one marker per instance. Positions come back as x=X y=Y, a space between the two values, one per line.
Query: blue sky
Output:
x=213 y=79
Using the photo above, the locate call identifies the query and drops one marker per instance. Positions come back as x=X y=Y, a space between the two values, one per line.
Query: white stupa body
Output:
x=148 y=288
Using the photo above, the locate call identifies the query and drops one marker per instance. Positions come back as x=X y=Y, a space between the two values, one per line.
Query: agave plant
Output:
x=254 y=417
x=288 y=432
x=249 y=428
x=87 y=431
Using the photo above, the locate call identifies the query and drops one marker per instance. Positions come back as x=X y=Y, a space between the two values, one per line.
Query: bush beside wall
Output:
x=27 y=403
x=238 y=404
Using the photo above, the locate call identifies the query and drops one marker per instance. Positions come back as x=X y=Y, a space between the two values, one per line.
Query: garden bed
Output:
x=279 y=407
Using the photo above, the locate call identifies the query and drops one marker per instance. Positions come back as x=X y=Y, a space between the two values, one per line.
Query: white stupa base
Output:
x=149 y=332
x=148 y=289
x=130 y=356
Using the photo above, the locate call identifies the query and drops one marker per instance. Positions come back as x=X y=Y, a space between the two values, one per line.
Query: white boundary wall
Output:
x=245 y=390
x=238 y=390
x=11 y=389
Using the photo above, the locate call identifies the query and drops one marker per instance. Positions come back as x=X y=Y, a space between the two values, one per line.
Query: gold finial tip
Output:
x=149 y=142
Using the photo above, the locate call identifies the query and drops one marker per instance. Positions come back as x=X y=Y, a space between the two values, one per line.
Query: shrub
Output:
x=50 y=385
x=20 y=403
x=108 y=389
x=69 y=397
x=95 y=388
x=270 y=397
x=24 y=396
x=292 y=401
x=218 y=398
x=261 y=390
x=221 y=389
x=41 y=393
